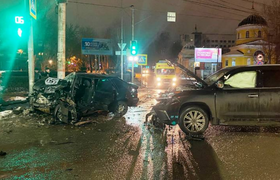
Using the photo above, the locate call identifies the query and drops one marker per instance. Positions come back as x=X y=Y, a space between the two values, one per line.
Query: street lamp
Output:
x=50 y=62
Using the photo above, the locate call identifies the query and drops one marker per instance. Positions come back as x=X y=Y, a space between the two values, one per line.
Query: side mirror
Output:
x=220 y=84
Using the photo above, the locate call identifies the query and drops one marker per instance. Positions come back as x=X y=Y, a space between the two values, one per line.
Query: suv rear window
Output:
x=271 y=78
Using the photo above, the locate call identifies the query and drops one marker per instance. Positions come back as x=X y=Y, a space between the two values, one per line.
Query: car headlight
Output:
x=158 y=79
x=174 y=79
x=133 y=90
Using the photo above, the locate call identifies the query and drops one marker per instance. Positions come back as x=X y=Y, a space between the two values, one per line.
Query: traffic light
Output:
x=21 y=27
x=133 y=48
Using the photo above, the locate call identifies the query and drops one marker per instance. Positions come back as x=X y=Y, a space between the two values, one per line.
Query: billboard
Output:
x=91 y=46
x=208 y=55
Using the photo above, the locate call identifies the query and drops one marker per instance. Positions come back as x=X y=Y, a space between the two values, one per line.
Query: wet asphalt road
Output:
x=124 y=148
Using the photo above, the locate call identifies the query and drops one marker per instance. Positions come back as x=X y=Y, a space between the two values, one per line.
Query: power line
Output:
x=252 y=1
x=226 y=4
x=94 y=4
x=175 y=5
x=152 y=11
x=217 y=6
x=192 y=15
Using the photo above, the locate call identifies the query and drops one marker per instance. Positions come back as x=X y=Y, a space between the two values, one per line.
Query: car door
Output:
x=270 y=94
x=238 y=100
x=104 y=93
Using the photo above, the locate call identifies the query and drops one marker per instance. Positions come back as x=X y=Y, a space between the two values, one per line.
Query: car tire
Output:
x=121 y=108
x=193 y=120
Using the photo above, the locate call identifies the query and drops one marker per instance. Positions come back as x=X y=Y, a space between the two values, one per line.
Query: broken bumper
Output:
x=133 y=102
x=164 y=115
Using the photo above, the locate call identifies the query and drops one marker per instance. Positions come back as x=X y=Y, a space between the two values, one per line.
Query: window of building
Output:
x=216 y=41
x=225 y=41
x=226 y=62
x=225 y=46
x=233 y=62
x=259 y=34
x=212 y=45
x=233 y=41
x=229 y=45
x=208 y=41
x=221 y=41
x=238 y=36
x=247 y=34
x=271 y=78
x=213 y=41
x=246 y=79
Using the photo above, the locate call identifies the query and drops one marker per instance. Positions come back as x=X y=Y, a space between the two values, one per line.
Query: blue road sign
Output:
x=32 y=8
x=142 y=59
x=91 y=46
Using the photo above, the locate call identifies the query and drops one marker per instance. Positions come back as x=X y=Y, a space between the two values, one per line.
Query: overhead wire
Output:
x=217 y=6
x=226 y=4
x=176 y=5
x=183 y=14
x=152 y=11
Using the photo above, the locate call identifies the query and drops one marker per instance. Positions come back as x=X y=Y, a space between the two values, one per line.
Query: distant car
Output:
x=246 y=95
x=80 y=94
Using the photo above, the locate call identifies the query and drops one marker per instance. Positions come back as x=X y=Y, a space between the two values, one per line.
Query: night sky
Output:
x=210 y=16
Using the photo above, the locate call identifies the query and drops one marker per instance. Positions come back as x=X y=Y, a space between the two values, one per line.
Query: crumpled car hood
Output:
x=49 y=85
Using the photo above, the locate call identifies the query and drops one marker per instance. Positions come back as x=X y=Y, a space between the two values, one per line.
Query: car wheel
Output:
x=121 y=108
x=193 y=120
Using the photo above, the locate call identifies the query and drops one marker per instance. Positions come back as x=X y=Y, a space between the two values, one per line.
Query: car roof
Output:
x=252 y=66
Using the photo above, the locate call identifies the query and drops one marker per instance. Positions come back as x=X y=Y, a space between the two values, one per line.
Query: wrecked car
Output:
x=80 y=94
x=244 y=95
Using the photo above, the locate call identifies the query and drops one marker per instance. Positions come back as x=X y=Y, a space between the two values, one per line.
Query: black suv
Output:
x=244 y=95
x=80 y=94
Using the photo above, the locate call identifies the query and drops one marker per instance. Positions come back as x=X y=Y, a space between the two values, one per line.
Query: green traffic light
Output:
x=133 y=47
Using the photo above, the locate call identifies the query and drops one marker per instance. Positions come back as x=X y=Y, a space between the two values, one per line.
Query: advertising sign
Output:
x=208 y=54
x=91 y=46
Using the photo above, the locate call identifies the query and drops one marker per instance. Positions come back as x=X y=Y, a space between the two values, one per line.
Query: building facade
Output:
x=251 y=46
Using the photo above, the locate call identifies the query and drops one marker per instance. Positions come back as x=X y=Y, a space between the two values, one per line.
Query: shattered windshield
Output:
x=70 y=77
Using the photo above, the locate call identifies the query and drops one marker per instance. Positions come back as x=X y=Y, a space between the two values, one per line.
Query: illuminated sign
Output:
x=19 y=20
x=208 y=54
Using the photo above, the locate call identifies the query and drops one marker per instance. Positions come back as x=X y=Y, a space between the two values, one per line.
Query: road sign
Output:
x=143 y=59
x=122 y=46
x=118 y=53
x=32 y=8
x=91 y=46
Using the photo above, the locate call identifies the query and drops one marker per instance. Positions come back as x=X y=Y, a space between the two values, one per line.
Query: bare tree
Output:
x=272 y=15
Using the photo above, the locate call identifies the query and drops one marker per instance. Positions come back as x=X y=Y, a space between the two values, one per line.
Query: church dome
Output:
x=254 y=20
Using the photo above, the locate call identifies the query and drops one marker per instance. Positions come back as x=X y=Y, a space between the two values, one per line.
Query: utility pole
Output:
x=132 y=39
x=122 y=41
x=31 y=58
x=61 y=39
